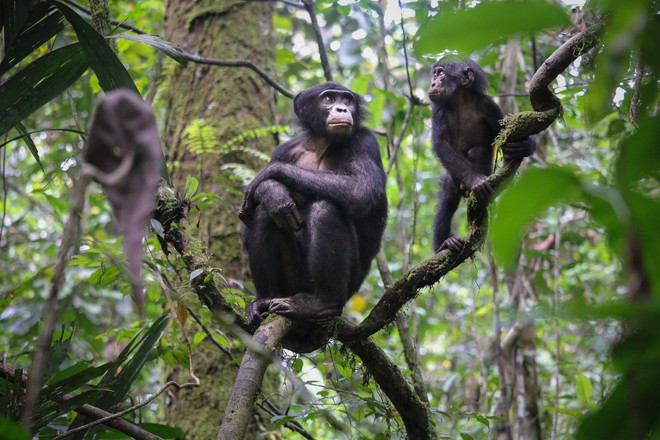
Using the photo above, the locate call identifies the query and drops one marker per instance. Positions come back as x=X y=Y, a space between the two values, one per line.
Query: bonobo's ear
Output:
x=468 y=77
x=296 y=104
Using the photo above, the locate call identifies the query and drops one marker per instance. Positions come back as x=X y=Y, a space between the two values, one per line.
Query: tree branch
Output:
x=250 y=376
x=309 y=7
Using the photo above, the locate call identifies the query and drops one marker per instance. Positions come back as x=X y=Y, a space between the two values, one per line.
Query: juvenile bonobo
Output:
x=316 y=214
x=465 y=123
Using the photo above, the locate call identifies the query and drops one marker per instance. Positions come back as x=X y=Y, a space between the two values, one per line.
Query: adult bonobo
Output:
x=465 y=123
x=316 y=214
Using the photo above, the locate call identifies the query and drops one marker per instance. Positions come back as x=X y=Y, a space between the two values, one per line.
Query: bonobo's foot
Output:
x=253 y=313
x=453 y=243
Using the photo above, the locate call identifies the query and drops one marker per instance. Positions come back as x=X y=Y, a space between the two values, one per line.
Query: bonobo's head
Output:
x=450 y=76
x=329 y=109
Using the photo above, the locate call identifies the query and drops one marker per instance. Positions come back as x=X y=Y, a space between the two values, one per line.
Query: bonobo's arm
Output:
x=278 y=203
x=356 y=186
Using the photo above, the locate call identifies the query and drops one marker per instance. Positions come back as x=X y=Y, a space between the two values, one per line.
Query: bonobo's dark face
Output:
x=339 y=107
x=443 y=83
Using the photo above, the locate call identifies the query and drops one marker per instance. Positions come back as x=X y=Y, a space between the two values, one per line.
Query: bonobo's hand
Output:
x=280 y=206
x=481 y=188
x=519 y=149
x=453 y=243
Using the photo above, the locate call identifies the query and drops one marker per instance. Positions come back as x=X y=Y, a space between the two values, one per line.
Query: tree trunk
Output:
x=234 y=100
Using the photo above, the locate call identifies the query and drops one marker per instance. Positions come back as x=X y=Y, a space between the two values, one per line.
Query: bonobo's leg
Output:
x=332 y=256
x=481 y=159
x=273 y=255
x=448 y=200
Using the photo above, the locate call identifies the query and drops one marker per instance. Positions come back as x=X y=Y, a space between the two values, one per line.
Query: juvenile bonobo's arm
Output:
x=278 y=203
x=356 y=187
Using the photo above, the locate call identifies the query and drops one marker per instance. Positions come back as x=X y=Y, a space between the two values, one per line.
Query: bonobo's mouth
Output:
x=340 y=124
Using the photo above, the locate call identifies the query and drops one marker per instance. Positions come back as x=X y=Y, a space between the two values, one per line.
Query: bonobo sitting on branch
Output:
x=465 y=123
x=316 y=214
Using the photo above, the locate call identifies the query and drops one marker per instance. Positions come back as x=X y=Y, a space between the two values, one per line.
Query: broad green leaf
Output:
x=43 y=23
x=470 y=29
x=191 y=186
x=10 y=430
x=583 y=389
x=14 y=14
x=38 y=83
x=639 y=156
x=125 y=369
x=535 y=191
x=166 y=47
x=163 y=431
x=108 y=68
x=30 y=145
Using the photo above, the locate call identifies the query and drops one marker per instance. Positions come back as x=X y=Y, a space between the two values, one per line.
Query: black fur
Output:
x=465 y=123
x=316 y=214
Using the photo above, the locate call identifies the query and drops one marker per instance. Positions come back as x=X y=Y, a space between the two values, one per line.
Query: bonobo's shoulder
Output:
x=488 y=105
x=285 y=152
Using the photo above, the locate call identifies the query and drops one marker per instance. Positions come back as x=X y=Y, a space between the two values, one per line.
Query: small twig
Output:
x=128 y=410
x=239 y=63
x=170 y=303
x=209 y=334
x=309 y=7
x=71 y=236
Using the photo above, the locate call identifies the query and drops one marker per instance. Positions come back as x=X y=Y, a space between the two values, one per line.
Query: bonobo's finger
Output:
x=453 y=243
x=281 y=306
x=483 y=190
x=519 y=149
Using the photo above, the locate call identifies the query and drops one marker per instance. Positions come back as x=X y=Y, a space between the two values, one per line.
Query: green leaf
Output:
x=125 y=370
x=470 y=29
x=108 y=68
x=535 y=191
x=158 y=43
x=191 y=187
x=10 y=430
x=639 y=154
x=43 y=23
x=195 y=273
x=583 y=388
x=30 y=145
x=38 y=83
x=163 y=431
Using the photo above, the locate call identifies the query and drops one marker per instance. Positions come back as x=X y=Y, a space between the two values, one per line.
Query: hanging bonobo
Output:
x=316 y=214
x=465 y=122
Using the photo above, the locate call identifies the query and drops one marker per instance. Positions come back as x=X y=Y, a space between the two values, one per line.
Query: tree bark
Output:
x=234 y=100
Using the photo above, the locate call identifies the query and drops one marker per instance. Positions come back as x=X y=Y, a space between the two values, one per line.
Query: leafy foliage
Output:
x=574 y=238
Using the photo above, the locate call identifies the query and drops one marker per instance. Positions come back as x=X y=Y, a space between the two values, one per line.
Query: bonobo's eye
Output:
x=328 y=98
x=348 y=100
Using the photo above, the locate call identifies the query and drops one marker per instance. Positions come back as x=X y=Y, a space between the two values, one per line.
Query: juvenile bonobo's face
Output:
x=443 y=82
x=339 y=107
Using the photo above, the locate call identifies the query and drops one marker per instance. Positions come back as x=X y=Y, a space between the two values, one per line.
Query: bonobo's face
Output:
x=339 y=107
x=443 y=83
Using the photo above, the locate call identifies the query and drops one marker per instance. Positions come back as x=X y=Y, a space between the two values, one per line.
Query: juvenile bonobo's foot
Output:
x=453 y=243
